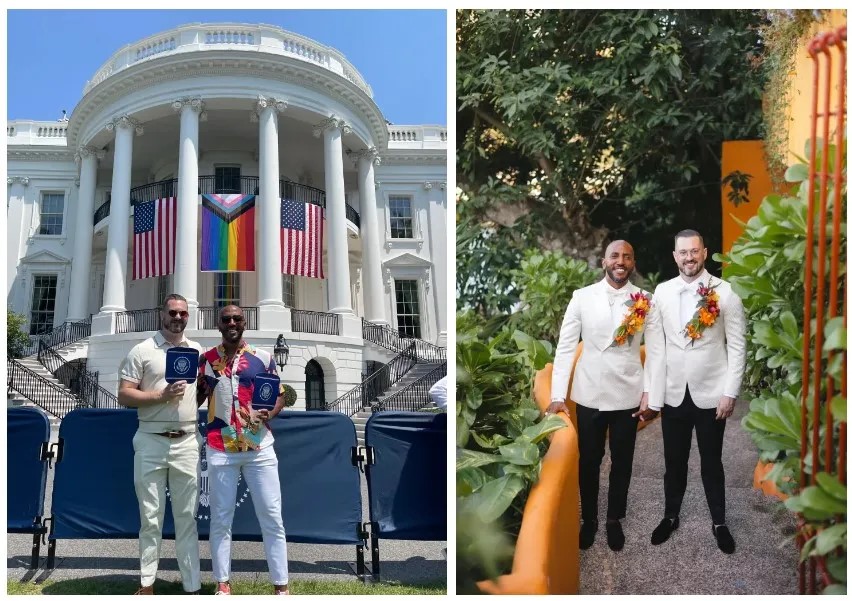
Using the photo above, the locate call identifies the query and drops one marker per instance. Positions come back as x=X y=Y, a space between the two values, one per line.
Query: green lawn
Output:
x=98 y=586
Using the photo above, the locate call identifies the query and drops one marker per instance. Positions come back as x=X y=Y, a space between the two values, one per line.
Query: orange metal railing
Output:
x=824 y=49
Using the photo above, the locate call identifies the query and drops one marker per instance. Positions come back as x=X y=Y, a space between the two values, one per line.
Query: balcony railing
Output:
x=144 y=320
x=208 y=318
x=245 y=184
x=314 y=322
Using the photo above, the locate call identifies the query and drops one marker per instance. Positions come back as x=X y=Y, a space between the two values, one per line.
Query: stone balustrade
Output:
x=205 y=37
x=53 y=133
x=417 y=136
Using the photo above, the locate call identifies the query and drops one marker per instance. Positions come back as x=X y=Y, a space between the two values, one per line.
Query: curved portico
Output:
x=261 y=104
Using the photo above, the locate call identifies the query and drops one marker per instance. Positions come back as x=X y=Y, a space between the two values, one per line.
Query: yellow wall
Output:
x=801 y=97
x=747 y=156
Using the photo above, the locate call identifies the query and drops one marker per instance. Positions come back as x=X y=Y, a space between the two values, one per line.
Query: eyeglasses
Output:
x=695 y=252
x=229 y=318
x=183 y=314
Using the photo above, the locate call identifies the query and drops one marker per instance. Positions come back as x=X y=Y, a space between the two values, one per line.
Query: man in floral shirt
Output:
x=238 y=438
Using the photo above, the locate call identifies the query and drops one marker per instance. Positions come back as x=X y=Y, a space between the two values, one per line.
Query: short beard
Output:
x=698 y=267
x=611 y=274
x=169 y=325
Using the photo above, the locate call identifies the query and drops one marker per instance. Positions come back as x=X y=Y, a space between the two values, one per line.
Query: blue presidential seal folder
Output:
x=266 y=388
x=181 y=364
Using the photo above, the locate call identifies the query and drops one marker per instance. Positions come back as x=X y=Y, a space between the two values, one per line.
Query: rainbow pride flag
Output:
x=227 y=232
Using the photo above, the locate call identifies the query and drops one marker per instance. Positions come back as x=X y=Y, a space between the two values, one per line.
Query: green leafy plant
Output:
x=16 y=338
x=290 y=395
x=766 y=269
x=500 y=435
x=547 y=279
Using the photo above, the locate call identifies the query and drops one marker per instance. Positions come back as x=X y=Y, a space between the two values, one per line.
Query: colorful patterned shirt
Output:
x=231 y=386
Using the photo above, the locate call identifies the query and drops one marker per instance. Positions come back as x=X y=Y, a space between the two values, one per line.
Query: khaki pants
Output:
x=159 y=460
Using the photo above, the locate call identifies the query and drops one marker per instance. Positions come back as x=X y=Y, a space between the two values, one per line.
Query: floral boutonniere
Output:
x=706 y=312
x=634 y=320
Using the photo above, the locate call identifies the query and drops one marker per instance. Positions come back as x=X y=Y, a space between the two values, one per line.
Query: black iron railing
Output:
x=301 y=193
x=366 y=393
x=353 y=216
x=166 y=188
x=42 y=392
x=81 y=382
x=314 y=322
x=102 y=213
x=245 y=184
x=142 y=320
x=391 y=339
x=208 y=318
x=414 y=396
x=62 y=335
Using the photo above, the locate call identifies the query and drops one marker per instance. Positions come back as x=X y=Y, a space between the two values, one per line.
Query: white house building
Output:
x=233 y=109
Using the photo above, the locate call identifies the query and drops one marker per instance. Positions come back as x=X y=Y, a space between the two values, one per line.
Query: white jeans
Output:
x=158 y=460
x=260 y=469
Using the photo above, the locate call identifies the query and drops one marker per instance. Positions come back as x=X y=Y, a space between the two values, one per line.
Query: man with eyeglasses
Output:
x=704 y=326
x=239 y=440
x=166 y=446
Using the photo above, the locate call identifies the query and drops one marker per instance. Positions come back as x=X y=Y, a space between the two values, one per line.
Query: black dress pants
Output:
x=678 y=423
x=592 y=426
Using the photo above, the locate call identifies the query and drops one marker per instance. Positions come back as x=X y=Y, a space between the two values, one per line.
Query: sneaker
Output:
x=223 y=588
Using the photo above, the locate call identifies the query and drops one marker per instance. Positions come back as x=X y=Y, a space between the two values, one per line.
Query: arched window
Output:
x=314 y=386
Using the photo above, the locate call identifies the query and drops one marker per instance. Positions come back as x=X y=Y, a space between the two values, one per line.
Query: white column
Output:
x=437 y=210
x=339 y=297
x=186 y=244
x=115 y=279
x=371 y=273
x=81 y=263
x=272 y=315
x=15 y=229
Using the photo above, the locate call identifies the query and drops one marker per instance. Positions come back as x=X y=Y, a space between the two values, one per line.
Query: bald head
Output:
x=618 y=262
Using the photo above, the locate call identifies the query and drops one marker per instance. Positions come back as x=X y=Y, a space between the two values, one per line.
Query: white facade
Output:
x=224 y=105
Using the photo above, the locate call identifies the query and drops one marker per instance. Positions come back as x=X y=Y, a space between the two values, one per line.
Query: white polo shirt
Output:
x=146 y=365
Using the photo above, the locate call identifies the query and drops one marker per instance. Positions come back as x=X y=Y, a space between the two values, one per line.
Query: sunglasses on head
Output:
x=182 y=314
x=229 y=318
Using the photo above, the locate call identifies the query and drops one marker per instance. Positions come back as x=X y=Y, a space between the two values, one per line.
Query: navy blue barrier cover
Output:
x=27 y=430
x=407 y=482
x=93 y=494
x=94 y=497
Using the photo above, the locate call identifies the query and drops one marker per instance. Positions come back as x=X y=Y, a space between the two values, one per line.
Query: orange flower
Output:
x=706 y=317
x=634 y=319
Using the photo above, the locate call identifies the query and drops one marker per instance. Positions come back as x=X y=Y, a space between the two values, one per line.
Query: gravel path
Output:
x=689 y=562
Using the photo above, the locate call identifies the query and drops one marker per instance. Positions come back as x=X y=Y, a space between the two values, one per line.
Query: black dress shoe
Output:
x=662 y=532
x=587 y=533
x=724 y=539
x=614 y=535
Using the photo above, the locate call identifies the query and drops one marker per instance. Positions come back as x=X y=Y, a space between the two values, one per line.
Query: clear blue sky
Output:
x=402 y=54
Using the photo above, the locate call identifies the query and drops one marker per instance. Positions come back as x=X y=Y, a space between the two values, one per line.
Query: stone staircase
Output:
x=32 y=392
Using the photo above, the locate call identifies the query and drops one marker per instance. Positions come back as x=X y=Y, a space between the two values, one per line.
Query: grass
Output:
x=104 y=586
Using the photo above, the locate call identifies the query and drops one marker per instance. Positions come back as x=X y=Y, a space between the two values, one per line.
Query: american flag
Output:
x=154 y=232
x=301 y=238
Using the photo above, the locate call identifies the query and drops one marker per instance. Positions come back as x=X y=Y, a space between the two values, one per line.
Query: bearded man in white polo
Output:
x=609 y=382
x=166 y=446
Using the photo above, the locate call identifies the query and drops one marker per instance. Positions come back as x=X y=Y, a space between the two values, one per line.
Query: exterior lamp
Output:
x=282 y=351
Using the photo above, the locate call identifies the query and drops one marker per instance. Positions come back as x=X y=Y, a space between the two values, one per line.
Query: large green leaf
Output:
x=494 y=497
x=548 y=424
x=520 y=452
x=835 y=335
x=832 y=485
x=831 y=538
x=466 y=458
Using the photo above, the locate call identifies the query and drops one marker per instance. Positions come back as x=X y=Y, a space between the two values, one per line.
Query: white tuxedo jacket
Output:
x=713 y=366
x=606 y=378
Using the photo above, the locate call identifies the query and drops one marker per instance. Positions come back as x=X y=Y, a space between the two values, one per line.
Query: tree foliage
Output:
x=576 y=127
x=16 y=338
